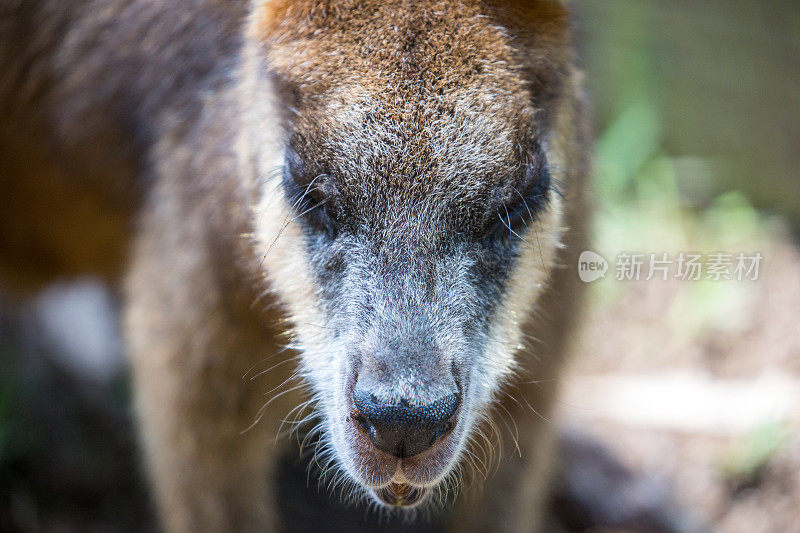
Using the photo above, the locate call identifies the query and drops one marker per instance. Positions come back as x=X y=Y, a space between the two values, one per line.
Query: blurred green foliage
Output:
x=698 y=144
x=717 y=81
x=746 y=458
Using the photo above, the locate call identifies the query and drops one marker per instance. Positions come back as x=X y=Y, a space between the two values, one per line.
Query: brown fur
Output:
x=115 y=108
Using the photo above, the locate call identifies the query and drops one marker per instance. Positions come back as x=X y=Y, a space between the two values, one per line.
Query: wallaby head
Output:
x=407 y=165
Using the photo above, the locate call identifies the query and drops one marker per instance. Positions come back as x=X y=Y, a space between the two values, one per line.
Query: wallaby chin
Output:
x=370 y=207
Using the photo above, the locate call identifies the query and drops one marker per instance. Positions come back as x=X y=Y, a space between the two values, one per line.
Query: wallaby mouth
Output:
x=400 y=494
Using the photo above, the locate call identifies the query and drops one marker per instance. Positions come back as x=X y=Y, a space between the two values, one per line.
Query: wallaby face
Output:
x=408 y=215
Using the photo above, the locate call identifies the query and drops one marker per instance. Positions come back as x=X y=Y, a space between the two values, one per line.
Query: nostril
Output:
x=440 y=432
x=368 y=428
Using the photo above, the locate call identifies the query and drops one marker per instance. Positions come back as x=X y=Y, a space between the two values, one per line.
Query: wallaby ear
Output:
x=551 y=17
x=542 y=30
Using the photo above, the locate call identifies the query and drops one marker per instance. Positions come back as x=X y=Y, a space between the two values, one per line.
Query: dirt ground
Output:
x=714 y=412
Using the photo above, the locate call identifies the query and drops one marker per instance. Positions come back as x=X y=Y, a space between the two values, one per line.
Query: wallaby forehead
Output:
x=378 y=42
x=426 y=99
x=439 y=147
x=430 y=46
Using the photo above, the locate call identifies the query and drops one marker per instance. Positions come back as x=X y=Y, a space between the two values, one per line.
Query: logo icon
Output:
x=591 y=266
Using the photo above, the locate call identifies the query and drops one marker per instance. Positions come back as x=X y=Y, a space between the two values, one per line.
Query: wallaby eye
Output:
x=520 y=204
x=313 y=209
x=310 y=202
x=512 y=221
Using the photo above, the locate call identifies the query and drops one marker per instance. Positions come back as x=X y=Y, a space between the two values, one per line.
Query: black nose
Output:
x=402 y=429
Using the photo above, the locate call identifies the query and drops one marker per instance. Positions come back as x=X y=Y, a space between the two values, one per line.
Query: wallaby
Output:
x=373 y=207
